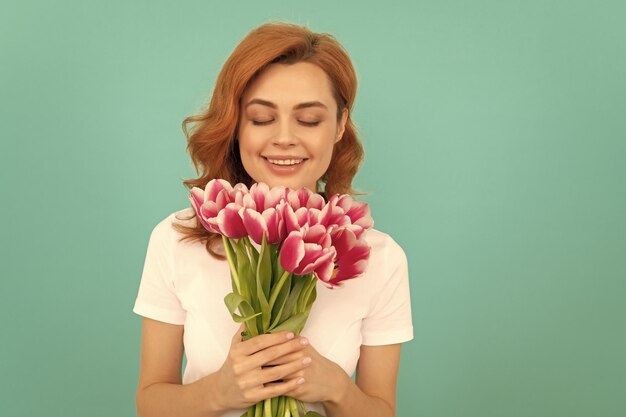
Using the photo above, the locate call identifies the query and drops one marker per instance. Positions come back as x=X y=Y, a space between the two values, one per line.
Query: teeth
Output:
x=285 y=161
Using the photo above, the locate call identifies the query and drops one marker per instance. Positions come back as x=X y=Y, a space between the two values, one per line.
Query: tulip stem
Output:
x=304 y=410
x=277 y=288
x=230 y=255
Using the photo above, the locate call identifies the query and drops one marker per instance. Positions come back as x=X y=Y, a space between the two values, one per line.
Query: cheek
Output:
x=246 y=144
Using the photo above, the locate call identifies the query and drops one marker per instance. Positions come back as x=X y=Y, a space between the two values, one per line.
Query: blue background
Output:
x=495 y=141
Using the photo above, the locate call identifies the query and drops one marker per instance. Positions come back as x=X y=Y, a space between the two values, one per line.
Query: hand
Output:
x=242 y=381
x=324 y=379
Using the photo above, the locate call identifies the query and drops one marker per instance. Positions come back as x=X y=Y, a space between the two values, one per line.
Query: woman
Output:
x=279 y=114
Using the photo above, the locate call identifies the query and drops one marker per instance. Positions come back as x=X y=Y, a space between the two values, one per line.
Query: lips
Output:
x=284 y=160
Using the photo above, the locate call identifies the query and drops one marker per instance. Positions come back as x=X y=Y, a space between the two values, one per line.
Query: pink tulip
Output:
x=213 y=188
x=358 y=211
x=295 y=220
x=331 y=214
x=352 y=255
x=270 y=222
x=208 y=202
x=197 y=201
x=304 y=198
x=230 y=223
x=343 y=211
x=309 y=251
x=261 y=197
x=218 y=207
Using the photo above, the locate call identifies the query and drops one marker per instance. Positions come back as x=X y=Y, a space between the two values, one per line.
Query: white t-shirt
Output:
x=183 y=284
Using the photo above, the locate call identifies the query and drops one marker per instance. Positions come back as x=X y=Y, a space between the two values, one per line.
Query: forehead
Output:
x=290 y=84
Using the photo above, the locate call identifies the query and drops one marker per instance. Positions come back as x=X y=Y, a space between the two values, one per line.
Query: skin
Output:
x=246 y=376
x=284 y=130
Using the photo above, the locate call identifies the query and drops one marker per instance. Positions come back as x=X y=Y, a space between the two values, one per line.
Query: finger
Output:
x=274 y=352
x=280 y=372
x=290 y=357
x=297 y=374
x=275 y=389
x=263 y=341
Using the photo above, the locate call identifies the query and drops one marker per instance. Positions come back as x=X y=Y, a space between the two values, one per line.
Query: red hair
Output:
x=212 y=142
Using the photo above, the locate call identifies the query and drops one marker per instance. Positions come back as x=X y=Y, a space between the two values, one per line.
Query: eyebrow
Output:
x=296 y=107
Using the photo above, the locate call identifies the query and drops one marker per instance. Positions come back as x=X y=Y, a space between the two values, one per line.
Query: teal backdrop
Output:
x=495 y=134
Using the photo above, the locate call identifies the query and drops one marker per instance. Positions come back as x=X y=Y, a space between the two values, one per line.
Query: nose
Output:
x=284 y=137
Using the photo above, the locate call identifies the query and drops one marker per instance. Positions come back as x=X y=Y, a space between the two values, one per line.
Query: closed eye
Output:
x=263 y=123
x=258 y=123
x=310 y=124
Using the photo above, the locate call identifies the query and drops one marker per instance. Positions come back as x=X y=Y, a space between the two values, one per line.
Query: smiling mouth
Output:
x=285 y=162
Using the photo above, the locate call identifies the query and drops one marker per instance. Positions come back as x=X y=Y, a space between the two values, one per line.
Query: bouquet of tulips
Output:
x=300 y=239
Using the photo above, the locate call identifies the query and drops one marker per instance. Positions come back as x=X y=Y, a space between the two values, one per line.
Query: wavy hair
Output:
x=211 y=140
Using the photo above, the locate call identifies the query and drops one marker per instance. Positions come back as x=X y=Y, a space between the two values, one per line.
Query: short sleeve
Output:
x=157 y=297
x=390 y=319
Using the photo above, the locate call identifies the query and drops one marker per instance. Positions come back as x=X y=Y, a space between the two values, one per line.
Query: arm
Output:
x=240 y=383
x=160 y=391
x=374 y=394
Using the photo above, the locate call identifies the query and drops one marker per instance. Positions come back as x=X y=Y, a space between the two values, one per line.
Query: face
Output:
x=288 y=125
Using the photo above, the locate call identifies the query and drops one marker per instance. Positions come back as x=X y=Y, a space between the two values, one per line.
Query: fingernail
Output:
x=306 y=360
x=290 y=335
x=304 y=341
x=301 y=381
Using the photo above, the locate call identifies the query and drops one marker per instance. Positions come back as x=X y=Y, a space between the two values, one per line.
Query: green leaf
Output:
x=276 y=289
x=263 y=278
x=264 y=269
x=297 y=284
x=243 y=268
x=312 y=414
x=232 y=263
x=309 y=303
x=279 y=298
x=247 y=278
x=310 y=282
x=235 y=301
x=292 y=323
x=311 y=293
x=252 y=252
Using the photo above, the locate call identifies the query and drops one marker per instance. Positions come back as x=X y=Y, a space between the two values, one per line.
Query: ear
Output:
x=341 y=127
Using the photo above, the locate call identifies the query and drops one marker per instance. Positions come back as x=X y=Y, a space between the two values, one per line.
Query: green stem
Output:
x=303 y=407
x=293 y=407
x=233 y=269
x=277 y=288
x=267 y=407
x=280 y=408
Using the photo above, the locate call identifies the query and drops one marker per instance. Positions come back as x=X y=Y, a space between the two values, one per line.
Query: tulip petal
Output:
x=292 y=251
x=343 y=240
x=230 y=222
x=214 y=186
x=354 y=262
x=324 y=265
x=198 y=209
x=272 y=218
x=254 y=224
x=258 y=191
x=359 y=214
x=291 y=221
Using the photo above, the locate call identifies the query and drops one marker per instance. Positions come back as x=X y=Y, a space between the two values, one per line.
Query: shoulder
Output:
x=164 y=229
x=384 y=247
